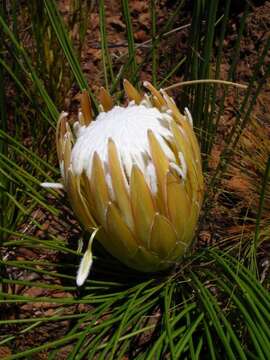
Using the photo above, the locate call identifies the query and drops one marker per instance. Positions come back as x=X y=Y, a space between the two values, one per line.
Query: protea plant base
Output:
x=134 y=173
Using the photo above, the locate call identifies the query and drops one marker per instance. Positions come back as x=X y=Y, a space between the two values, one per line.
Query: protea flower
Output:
x=135 y=174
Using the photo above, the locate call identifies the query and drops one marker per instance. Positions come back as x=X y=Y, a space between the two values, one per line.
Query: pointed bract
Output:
x=131 y=92
x=119 y=184
x=105 y=99
x=86 y=107
x=163 y=236
x=161 y=164
x=99 y=189
x=120 y=231
x=156 y=94
x=142 y=206
x=178 y=204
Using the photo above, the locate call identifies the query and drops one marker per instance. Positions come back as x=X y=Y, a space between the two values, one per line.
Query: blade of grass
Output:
x=106 y=58
x=61 y=33
x=261 y=205
x=155 y=44
x=168 y=327
x=32 y=73
x=185 y=339
x=130 y=39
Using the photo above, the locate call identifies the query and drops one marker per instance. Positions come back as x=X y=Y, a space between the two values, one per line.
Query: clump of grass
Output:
x=253 y=150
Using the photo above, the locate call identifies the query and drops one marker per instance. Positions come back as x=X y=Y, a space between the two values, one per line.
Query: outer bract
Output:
x=135 y=173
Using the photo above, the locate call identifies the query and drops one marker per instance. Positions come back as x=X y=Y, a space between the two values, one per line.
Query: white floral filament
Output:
x=128 y=128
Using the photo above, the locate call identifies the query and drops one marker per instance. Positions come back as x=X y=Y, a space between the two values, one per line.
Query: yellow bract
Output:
x=145 y=229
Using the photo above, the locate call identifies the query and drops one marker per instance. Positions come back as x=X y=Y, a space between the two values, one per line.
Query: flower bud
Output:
x=135 y=174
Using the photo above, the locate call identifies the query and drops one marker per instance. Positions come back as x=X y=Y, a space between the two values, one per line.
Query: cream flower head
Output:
x=135 y=174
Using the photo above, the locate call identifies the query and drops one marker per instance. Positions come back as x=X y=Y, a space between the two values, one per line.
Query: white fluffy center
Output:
x=127 y=127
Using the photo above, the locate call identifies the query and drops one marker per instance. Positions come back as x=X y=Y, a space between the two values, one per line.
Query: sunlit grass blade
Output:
x=26 y=92
x=130 y=39
x=168 y=291
x=61 y=33
x=154 y=42
x=255 y=242
x=210 y=307
x=31 y=71
x=106 y=58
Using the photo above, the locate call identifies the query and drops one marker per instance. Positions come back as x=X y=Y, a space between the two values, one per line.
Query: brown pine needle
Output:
x=205 y=81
